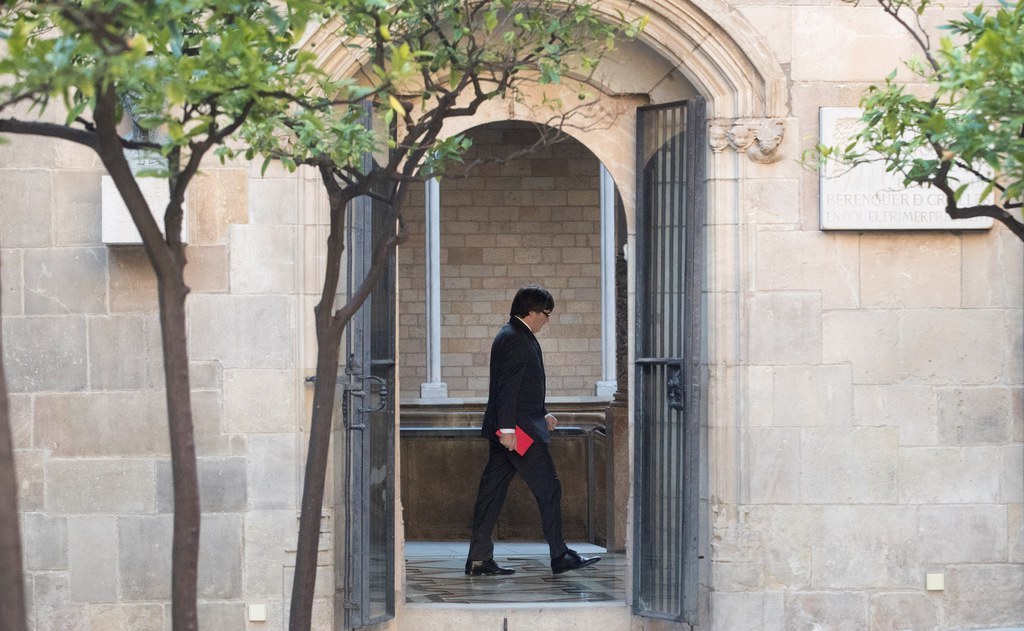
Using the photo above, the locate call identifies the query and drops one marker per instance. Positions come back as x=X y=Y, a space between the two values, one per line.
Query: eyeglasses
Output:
x=547 y=313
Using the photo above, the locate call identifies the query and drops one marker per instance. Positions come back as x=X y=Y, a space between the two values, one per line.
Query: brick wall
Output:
x=529 y=220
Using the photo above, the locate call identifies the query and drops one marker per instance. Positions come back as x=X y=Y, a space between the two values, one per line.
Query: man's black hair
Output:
x=531 y=298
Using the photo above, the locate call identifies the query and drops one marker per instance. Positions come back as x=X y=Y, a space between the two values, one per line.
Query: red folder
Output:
x=523 y=440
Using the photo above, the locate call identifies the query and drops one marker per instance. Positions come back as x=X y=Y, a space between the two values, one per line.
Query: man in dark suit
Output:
x=516 y=397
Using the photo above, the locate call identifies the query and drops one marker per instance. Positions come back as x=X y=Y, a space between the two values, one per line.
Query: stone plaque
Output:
x=865 y=197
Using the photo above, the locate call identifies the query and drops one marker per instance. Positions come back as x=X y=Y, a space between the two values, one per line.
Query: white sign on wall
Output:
x=865 y=197
x=117 y=225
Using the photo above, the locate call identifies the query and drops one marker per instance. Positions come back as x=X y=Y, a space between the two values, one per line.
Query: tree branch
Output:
x=50 y=130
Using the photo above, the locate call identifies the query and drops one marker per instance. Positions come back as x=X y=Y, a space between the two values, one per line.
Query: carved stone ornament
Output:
x=759 y=138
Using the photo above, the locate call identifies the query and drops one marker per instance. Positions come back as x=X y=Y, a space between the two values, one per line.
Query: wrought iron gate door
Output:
x=367 y=459
x=669 y=269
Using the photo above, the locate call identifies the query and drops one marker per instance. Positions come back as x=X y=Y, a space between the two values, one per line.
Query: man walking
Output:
x=516 y=398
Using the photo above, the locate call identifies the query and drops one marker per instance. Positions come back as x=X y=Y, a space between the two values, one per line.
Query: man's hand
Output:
x=552 y=422
x=508 y=440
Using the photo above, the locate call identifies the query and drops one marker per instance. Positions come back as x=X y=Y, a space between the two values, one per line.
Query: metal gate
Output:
x=669 y=268
x=366 y=463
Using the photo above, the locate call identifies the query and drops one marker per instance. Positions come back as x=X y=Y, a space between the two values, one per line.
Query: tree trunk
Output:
x=12 y=595
x=185 y=547
x=328 y=352
x=166 y=255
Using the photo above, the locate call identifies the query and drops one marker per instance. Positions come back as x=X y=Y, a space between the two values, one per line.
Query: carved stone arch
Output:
x=712 y=45
x=686 y=49
x=716 y=49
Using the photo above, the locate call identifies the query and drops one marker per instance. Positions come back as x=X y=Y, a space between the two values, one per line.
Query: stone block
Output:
x=270 y=541
x=975 y=416
x=984 y=596
x=1016 y=533
x=1012 y=463
x=144 y=557
x=788 y=552
x=132 y=281
x=911 y=409
x=102 y=424
x=114 y=485
x=11 y=282
x=220 y=557
x=949 y=475
x=76 y=208
x=962 y=534
x=206 y=375
x=903 y=610
x=263 y=259
x=993 y=264
x=956 y=346
x=835 y=611
x=260 y=401
x=222 y=616
x=65 y=280
x=122 y=616
x=30 y=466
x=738 y=611
x=119 y=357
x=865 y=547
x=24 y=151
x=45 y=542
x=52 y=607
x=812 y=396
x=274 y=200
x=760 y=388
x=93 y=559
x=207 y=269
x=1017 y=414
x=222 y=485
x=218 y=199
x=774 y=457
x=866 y=340
x=20 y=413
x=862 y=45
x=785 y=328
x=45 y=353
x=206 y=419
x=907 y=272
x=242 y=331
x=273 y=477
x=27 y=198
x=853 y=466
x=789 y=260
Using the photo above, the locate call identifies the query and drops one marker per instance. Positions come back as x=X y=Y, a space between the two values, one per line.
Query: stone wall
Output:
x=877 y=432
x=533 y=219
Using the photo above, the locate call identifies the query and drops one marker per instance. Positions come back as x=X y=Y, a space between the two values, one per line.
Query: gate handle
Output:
x=382 y=392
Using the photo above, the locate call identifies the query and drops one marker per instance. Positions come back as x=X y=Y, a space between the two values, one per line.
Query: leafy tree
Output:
x=971 y=122
x=429 y=62
x=191 y=72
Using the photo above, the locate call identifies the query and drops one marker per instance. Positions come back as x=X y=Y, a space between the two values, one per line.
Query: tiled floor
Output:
x=435 y=573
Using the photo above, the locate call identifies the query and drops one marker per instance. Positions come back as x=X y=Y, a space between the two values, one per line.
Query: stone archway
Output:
x=686 y=49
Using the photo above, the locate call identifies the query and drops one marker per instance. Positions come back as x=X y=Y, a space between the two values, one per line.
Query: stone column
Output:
x=434 y=388
x=606 y=386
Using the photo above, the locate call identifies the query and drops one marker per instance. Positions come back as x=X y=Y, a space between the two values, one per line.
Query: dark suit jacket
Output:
x=517 y=386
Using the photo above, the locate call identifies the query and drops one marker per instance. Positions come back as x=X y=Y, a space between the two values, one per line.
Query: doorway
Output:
x=506 y=222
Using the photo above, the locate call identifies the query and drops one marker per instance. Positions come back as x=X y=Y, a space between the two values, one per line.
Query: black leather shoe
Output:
x=487 y=568
x=571 y=561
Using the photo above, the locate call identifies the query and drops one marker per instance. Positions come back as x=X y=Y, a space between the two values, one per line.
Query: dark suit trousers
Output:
x=538 y=471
